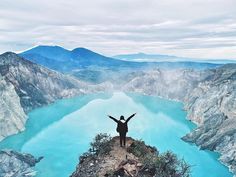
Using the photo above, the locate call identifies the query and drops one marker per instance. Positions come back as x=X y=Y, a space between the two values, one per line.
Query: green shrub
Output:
x=101 y=144
x=162 y=165
x=140 y=149
x=168 y=164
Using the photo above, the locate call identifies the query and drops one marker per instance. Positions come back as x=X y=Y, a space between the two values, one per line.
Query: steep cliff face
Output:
x=14 y=164
x=25 y=86
x=171 y=84
x=12 y=115
x=210 y=100
x=212 y=105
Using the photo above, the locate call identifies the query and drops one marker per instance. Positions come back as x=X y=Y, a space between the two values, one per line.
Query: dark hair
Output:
x=122 y=118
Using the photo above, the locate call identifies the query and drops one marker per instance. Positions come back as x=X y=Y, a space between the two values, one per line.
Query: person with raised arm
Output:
x=122 y=127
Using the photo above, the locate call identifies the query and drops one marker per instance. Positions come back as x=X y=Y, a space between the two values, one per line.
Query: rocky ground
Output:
x=102 y=165
x=136 y=159
x=14 y=164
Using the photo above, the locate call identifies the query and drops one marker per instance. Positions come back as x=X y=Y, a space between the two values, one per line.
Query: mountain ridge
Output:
x=134 y=57
x=90 y=66
x=64 y=60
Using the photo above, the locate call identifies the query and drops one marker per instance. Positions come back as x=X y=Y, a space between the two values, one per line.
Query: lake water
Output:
x=62 y=131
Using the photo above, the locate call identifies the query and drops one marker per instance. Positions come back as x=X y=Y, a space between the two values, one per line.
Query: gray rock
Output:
x=170 y=84
x=209 y=98
x=214 y=110
x=12 y=115
x=25 y=86
x=14 y=164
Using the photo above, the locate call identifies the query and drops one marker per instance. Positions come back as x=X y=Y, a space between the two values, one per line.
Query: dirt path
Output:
x=117 y=155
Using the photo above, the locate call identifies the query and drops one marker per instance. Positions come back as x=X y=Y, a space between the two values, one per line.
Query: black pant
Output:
x=122 y=138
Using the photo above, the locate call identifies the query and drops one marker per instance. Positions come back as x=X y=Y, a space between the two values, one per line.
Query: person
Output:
x=122 y=127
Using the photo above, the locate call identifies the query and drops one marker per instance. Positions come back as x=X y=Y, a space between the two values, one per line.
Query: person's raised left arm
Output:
x=130 y=117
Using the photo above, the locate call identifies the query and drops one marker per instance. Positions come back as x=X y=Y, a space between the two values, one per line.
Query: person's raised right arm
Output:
x=113 y=118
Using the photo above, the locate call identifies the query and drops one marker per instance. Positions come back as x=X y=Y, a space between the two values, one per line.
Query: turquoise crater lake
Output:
x=62 y=131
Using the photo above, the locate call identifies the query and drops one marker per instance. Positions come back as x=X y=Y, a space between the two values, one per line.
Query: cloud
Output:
x=194 y=28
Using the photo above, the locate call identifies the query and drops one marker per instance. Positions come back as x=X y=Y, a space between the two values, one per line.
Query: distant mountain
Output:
x=143 y=57
x=64 y=60
x=60 y=59
x=24 y=86
x=53 y=52
x=96 y=68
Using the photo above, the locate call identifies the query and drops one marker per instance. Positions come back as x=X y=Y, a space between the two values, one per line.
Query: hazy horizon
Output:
x=194 y=29
x=113 y=56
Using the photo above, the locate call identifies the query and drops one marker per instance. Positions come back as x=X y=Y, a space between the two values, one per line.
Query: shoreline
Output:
x=218 y=159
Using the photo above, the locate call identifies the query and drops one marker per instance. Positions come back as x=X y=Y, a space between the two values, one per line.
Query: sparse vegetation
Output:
x=142 y=160
x=101 y=144
x=162 y=165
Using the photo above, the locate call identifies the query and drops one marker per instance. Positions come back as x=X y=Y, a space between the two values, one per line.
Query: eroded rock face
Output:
x=12 y=116
x=209 y=98
x=25 y=86
x=14 y=164
x=212 y=105
x=170 y=84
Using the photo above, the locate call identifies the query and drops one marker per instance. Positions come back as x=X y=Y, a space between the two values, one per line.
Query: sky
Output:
x=189 y=28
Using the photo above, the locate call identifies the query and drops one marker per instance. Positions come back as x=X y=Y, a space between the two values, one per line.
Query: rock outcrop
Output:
x=14 y=164
x=102 y=165
x=136 y=159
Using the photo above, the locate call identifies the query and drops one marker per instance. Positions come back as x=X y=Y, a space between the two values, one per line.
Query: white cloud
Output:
x=193 y=28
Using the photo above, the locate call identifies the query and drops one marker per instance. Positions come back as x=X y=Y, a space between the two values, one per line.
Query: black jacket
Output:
x=122 y=127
